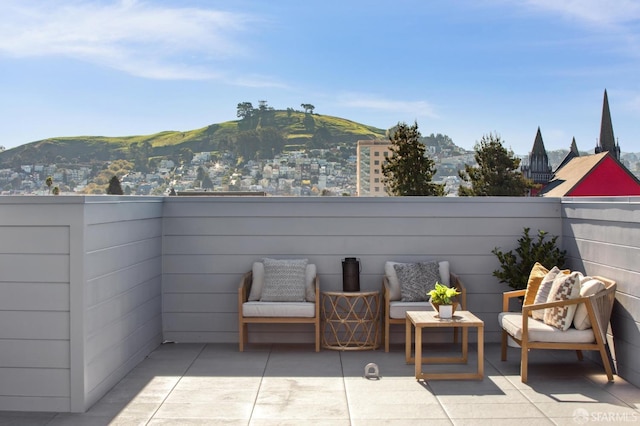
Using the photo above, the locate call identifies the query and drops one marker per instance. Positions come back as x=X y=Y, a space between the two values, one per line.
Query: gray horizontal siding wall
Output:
x=89 y=285
x=602 y=237
x=35 y=281
x=209 y=242
x=80 y=296
x=122 y=299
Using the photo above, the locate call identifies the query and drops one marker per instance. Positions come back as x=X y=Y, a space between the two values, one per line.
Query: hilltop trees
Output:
x=308 y=108
x=497 y=171
x=409 y=171
x=245 y=110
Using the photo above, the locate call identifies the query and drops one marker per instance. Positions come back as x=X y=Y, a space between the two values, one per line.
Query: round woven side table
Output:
x=350 y=320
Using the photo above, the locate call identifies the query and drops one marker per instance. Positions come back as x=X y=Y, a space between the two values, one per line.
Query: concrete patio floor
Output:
x=209 y=384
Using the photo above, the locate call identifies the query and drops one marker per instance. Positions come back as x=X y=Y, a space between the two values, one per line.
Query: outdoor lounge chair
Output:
x=532 y=333
x=253 y=309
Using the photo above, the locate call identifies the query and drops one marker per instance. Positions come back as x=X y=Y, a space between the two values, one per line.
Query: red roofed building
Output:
x=598 y=175
x=592 y=175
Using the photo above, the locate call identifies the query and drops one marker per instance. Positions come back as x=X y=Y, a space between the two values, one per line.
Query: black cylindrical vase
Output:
x=350 y=274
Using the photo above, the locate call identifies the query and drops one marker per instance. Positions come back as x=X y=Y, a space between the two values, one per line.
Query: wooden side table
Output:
x=350 y=321
x=430 y=319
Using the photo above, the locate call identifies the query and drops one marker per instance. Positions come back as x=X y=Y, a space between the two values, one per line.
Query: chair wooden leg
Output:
x=386 y=335
x=242 y=330
x=317 y=337
x=503 y=348
x=579 y=354
x=606 y=363
x=524 y=361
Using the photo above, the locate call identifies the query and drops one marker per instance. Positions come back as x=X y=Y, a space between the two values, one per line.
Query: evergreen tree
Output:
x=114 y=186
x=409 y=171
x=497 y=171
x=207 y=183
x=49 y=182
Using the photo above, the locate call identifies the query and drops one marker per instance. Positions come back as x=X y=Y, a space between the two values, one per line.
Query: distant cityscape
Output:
x=295 y=173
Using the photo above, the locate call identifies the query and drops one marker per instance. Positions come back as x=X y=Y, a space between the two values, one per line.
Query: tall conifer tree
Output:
x=409 y=171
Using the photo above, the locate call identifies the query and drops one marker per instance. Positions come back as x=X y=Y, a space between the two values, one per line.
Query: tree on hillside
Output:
x=140 y=153
x=245 y=110
x=308 y=108
x=49 y=182
x=185 y=156
x=409 y=171
x=114 y=186
x=497 y=171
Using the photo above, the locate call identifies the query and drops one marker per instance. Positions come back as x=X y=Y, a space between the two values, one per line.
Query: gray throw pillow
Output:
x=417 y=279
x=284 y=280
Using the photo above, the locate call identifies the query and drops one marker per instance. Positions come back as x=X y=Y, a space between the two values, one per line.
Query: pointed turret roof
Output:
x=607 y=141
x=538 y=145
x=574 y=147
x=573 y=153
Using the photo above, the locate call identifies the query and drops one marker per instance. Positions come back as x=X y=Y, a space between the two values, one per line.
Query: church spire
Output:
x=573 y=153
x=574 y=147
x=607 y=141
x=538 y=168
x=538 y=145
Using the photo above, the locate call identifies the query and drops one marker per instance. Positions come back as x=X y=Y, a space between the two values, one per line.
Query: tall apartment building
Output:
x=371 y=155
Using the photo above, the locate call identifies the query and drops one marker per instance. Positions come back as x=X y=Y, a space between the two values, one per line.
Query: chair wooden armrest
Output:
x=456 y=282
x=245 y=288
x=508 y=295
x=526 y=309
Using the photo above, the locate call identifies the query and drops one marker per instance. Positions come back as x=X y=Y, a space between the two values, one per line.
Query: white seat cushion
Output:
x=279 y=309
x=541 y=332
x=399 y=310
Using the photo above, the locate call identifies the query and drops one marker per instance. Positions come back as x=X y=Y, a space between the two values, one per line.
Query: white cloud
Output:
x=599 y=12
x=139 y=38
x=363 y=101
x=613 y=22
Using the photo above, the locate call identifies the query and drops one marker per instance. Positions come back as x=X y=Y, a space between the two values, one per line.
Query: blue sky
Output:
x=464 y=68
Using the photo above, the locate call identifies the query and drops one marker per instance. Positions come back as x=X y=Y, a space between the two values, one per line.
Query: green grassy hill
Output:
x=297 y=128
x=263 y=134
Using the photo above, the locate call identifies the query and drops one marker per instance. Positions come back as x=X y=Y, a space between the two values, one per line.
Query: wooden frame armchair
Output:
x=256 y=312
x=394 y=312
x=530 y=333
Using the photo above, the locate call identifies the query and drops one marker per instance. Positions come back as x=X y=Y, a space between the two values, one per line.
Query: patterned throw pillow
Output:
x=417 y=279
x=394 y=285
x=284 y=280
x=564 y=287
x=543 y=290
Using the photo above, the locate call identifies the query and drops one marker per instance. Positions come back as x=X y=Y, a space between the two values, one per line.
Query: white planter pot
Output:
x=446 y=311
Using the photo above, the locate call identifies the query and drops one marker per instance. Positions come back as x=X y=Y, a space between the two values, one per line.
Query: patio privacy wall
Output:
x=209 y=242
x=602 y=237
x=90 y=285
x=80 y=300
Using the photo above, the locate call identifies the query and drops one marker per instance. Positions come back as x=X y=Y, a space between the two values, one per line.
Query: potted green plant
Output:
x=516 y=267
x=442 y=299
